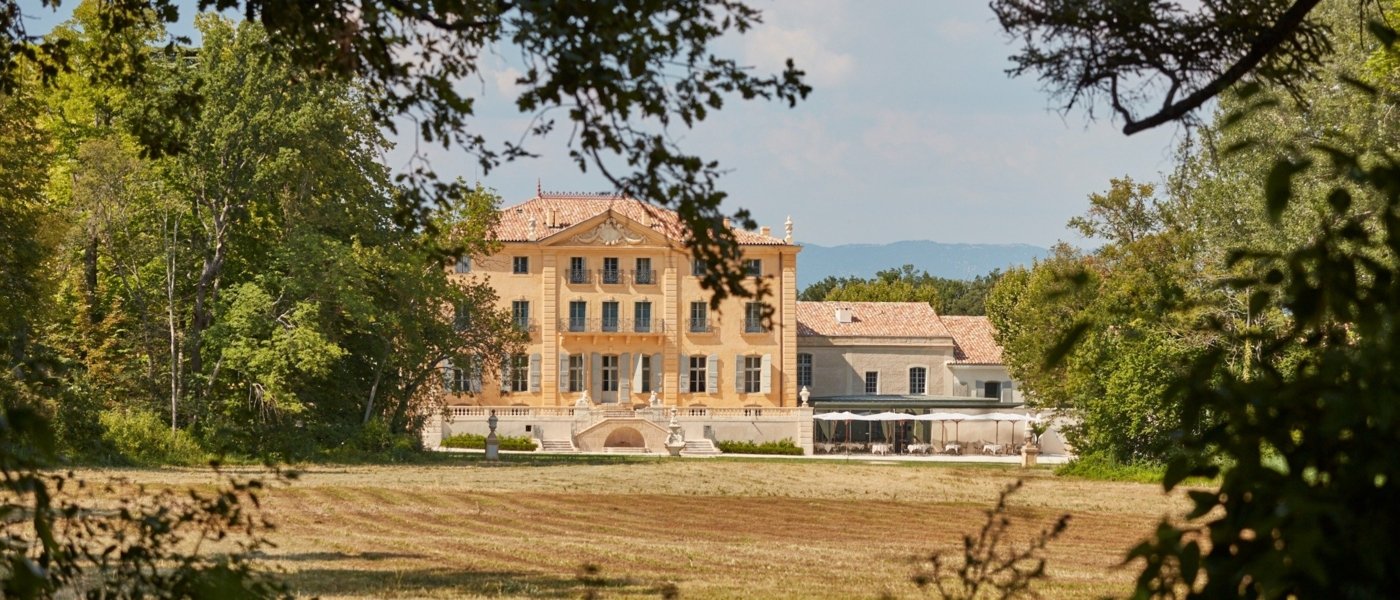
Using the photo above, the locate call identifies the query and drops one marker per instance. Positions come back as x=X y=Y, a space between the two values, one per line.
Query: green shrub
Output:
x=143 y=438
x=472 y=440
x=374 y=442
x=1100 y=466
x=784 y=446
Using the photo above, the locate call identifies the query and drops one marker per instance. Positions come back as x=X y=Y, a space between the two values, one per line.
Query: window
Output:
x=697 y=373
x=644 y=367
x=697 y=267
x=753 y=374
x=578 y=270
x=520 y=314
x=699 y=317
x=611 y=274
x=753 y=318
x=521 y=265
x=641 y=317
x=462 y=380
x=464 y=264
x=610 y=315
x=610 y=372
x=643 y=274
x=991 y=389
x=519 y=372
x=918 y=380
x=578 y=315
x=804 y=370
x=872 y=382
x=461 y=318
x=576 y=372
x=753 y=267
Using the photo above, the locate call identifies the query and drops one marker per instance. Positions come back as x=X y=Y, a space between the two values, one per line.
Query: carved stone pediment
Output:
x=609 y=233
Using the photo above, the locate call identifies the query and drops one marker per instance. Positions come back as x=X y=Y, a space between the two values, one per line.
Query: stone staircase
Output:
x=557 y=446
x=701 y=447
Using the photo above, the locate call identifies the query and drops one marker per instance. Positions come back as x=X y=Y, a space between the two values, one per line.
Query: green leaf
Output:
x=1060 y=350
x=1359 y=85
x=1177 y=471
x=1190 y=562
x=1340 y=200
x=1278 y=187
x=1383 y=32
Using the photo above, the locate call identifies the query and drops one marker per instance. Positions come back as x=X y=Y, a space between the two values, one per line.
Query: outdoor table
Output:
x=918 y=448
x=991 y=449
x=879 y=448
x=953 y=448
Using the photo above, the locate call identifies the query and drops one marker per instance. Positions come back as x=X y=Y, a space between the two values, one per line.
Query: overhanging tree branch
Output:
x=1265 y=45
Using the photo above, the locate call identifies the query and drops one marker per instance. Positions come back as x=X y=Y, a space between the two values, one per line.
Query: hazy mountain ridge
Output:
x=954 y=261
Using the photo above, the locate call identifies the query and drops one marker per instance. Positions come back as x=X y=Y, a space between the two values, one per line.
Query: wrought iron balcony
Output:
x=579 y=276
x=610 y=276
x=615 y=326
x=700 y=326
x=644 y=277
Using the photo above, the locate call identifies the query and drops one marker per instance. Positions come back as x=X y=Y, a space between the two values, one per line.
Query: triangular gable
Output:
x=609 y=228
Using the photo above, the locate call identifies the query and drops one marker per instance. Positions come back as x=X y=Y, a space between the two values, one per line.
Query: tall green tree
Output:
x=904 y=284
x=624 y=76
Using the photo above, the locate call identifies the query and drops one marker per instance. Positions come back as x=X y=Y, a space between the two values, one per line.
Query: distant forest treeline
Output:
x=905 y=284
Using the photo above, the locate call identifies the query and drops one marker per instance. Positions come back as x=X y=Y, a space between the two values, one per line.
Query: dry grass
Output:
x=711 y=528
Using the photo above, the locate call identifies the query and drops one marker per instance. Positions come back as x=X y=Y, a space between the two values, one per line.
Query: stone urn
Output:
x=1030 y=451
x=675 y=441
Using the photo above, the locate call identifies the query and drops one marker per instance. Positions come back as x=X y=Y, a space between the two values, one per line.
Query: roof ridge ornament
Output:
x=787 y=228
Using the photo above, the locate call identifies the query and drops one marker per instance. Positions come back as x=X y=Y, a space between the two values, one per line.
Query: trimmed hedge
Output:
x=472 y=440
x=785 y=446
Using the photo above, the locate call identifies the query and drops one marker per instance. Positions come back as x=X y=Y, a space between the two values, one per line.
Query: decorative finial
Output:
x=539 y=188
x=787 y=228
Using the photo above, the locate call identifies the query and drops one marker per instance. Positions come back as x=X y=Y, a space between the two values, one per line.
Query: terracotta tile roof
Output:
x=870 y=319
x=570 y=209
x=974 y=340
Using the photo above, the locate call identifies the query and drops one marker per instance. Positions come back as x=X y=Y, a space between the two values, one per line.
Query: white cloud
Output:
x=808 y=37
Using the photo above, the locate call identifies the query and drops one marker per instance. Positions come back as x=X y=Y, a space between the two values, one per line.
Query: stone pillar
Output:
x=804 y=429
x=549 y=332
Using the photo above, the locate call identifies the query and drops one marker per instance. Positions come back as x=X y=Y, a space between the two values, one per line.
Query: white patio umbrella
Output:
x=999 y=417
x=888 y=417
x=943 y=418
x=846 y=416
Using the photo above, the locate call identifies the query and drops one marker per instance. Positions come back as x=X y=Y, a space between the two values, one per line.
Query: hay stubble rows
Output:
x=713 y=528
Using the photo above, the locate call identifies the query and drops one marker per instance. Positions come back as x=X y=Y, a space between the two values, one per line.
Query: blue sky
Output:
x=913 y=132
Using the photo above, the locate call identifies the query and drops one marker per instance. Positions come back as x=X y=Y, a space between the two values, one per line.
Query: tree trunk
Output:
x=90 y=279
x=374 y=388
x=170 y=320
x=206 y=290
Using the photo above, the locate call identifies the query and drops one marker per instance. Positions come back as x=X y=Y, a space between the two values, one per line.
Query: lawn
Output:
x=705 y=528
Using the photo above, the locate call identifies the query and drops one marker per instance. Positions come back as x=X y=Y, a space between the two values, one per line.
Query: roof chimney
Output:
x=766 y=231
x=726 y=222
x=843 y=314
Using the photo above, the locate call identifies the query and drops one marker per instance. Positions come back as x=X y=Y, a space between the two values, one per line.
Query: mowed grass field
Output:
x=713 y=528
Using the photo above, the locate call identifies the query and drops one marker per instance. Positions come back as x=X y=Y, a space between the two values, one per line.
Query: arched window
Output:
x=918 y=380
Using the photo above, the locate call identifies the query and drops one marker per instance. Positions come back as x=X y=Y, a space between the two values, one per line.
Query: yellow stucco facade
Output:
x=614 y=309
